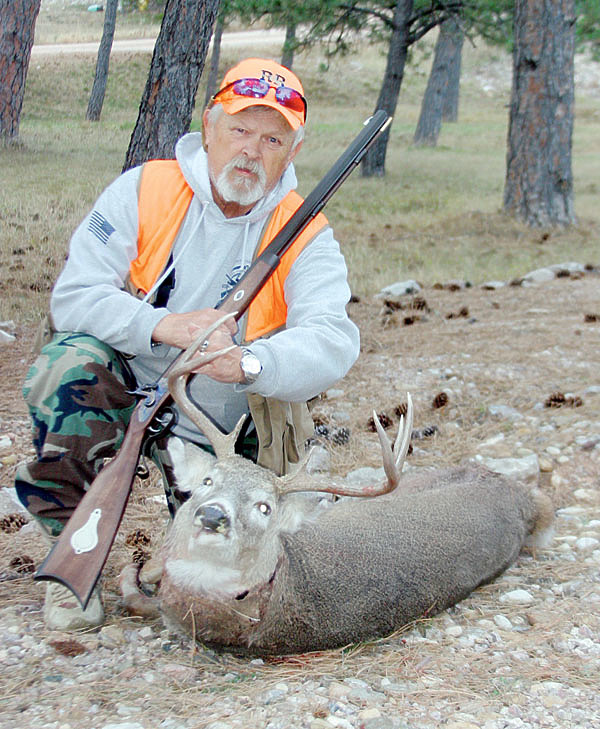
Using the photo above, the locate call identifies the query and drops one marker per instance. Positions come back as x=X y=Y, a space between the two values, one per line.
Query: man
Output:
x=163 y=244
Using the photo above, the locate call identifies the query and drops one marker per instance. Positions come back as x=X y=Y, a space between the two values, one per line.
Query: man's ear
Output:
x=205 y=128
x=295 y=151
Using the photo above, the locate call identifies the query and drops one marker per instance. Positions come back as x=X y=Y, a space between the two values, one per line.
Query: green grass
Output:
x=435 y=216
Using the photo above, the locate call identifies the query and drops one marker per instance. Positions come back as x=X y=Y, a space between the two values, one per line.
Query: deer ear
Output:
x=190 y=463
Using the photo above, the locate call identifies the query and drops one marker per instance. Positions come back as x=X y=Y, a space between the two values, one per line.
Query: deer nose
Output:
x=212 y=518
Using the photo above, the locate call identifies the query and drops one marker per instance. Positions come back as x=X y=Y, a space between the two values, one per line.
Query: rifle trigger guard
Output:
x=148 y=392
x=160 y=425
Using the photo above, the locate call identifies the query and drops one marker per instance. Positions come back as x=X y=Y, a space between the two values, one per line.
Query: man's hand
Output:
x=180 y=330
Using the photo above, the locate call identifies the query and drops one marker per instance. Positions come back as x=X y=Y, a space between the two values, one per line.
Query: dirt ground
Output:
x=461 y=352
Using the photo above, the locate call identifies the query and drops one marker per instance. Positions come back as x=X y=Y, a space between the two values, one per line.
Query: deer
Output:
x=259 y=564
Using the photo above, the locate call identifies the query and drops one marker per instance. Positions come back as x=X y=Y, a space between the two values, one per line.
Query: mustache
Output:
x=248 y=165
x=243 y=191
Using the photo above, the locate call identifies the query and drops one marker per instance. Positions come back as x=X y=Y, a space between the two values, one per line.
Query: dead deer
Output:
x=252 y=565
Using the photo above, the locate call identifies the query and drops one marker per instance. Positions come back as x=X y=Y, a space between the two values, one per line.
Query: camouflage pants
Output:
x=77 y=394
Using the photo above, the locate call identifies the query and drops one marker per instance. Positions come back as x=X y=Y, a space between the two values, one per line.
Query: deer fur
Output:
x=258 y=564
x=309 y=576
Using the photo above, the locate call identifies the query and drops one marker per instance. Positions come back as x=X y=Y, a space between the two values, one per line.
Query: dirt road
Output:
x=262 y=39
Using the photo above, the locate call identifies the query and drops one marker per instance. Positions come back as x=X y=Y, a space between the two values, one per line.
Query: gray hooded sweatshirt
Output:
x=210 y=253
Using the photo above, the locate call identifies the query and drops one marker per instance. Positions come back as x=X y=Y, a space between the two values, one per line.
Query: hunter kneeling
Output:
x=164 y=243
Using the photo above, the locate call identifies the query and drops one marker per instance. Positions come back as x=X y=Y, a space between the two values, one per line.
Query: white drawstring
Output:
x=175 y=260
x=172 y=265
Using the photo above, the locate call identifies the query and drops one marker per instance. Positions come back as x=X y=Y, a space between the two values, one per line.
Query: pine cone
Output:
x=386 y=422
x=68 y=647
x=427 y=432
x=419 y=304
x=340 y=436
x=138 y=538
x=140 y=556
x=440 y=400
x=556 y=400
x=392 y=305
x=322 y=431
x=22 y=564
x=401 y=410
x=11 y=523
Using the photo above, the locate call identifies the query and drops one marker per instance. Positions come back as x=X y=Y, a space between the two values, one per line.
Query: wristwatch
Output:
x=251 y=366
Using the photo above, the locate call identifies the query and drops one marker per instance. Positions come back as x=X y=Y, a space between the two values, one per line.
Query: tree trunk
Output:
x=17 y=26
x=451 y=97
x=289 y=45
x=373 y=164
x=430 y=118
x=213 y=74
x=99 y=87
x=177 y=62
x=539 y=179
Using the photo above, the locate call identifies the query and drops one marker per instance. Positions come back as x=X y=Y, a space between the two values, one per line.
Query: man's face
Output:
x=247 y=154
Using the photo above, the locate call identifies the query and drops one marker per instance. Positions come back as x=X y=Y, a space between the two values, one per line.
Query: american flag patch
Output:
x=100 y=227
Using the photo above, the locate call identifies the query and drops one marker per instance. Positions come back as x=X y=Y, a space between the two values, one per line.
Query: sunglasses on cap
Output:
x=258 y=88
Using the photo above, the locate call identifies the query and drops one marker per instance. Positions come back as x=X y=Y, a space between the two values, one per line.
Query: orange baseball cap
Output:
x=259 y=81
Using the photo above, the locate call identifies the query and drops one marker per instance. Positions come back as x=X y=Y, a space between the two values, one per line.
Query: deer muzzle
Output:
x=212 y=518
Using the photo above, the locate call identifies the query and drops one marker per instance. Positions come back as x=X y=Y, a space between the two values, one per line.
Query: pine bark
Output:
x=168 y=100
x=289 y=45
x=373 y=164
x=539 y=179
x=452 y=95
x=17 y=26
x=100 y=78
x=438 y=85
x=215 y=56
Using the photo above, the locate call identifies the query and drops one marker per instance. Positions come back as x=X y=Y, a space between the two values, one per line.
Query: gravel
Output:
x=522 y=652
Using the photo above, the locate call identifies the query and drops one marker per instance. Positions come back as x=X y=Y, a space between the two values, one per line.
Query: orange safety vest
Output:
x=163 y=200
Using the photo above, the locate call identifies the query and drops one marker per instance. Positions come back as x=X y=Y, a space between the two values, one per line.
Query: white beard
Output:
x=244 y=191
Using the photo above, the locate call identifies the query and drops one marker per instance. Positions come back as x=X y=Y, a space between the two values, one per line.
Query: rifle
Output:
x=79 y=555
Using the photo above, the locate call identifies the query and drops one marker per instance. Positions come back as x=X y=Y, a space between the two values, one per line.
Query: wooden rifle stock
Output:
x=78 y=557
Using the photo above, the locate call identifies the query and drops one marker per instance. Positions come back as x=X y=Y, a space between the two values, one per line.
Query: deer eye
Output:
x=264 y=509
x=207 y=481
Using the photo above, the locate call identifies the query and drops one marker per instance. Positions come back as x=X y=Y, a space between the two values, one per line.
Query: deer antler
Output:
x=223 y=443
x=392 y=464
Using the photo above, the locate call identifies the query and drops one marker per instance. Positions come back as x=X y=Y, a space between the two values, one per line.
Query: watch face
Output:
x=251 y=366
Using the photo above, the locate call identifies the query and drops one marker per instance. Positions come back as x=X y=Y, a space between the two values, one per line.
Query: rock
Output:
x=570 y=267
x=9 y=502
x=6 y=338
x=585 y=544
x=504 y=412
x=503 y=622
x=493 y=285
x=401 y=288
x=526 y=468
x=540 y=275
x=338 y=690
x=517 y=597
x=319 y=460
x=377 y=722
x=112 y=636
x=366 y=474
x=146 y=633
x=180 y=674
